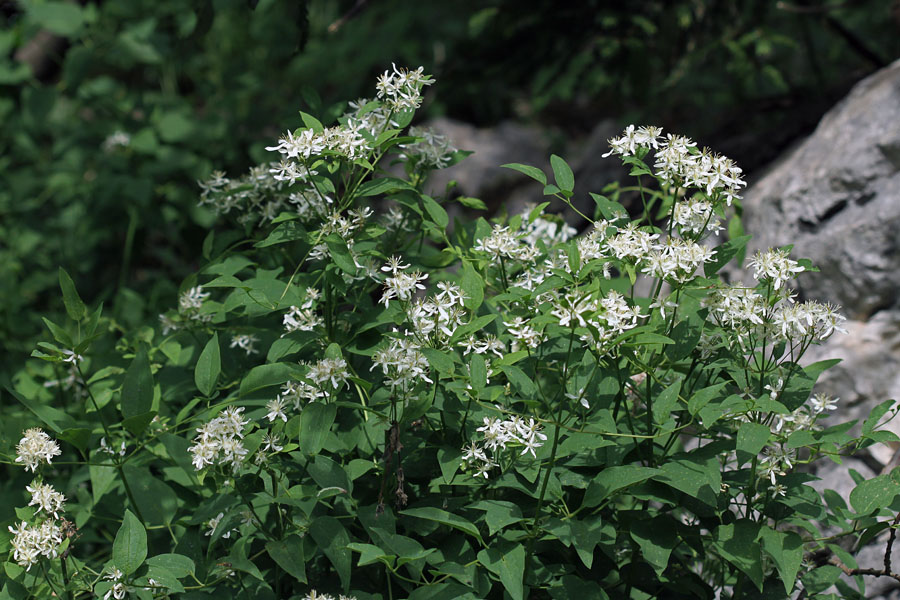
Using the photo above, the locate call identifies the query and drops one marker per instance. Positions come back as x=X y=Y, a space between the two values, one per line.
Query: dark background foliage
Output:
x=207 y=84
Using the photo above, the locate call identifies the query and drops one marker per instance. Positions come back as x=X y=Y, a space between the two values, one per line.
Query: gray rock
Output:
x=480 y=175
x=836 y=197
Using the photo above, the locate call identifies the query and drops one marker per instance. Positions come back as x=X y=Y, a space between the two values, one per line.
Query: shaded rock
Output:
x=480 y=175
x=836 y=197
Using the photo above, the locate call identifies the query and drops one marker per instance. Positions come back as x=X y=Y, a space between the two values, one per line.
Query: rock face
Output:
x=836 y=197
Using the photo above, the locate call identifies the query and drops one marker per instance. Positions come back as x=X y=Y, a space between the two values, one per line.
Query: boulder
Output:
x=836 y=197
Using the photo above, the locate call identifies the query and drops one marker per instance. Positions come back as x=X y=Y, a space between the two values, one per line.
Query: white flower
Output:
x=117 y=591
x=579 y=396
x=29 y=543
x=46 y=498
x=270 y=443
x=213 y=524
x=223 y=436
x=192 y=298
x=276 y=410
x=401 y=285
x=301 y=319
x=402 y=364
x=822 y=402
x=117 y=139
x=433 y=150
x=775 y=266
x=245 y=342
x=36 y=447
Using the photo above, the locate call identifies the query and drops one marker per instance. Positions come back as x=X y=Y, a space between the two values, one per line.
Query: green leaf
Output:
x=130 y=546
x=54 y=418
x=138 y=423
x=59 y=334
x=736 y=543
x=369 y=553
x=875 y=416
x=312 y=122
x=666 y=402
x=64 y=18
x=520 y=381
x=263 y=376
x=695 y=476
x=874 y=494
x=315 y=424
x=477 y=372
x=820 y=579
x=74 y=305
x=473 y=203
x=438 y=515
x=724 y=254
x=473 y=286
x=329 y=474
x=209 y=365
x=137 y=387
x=177 y=564
x=288 y=554
x=155 y=499
x=613 y=479
x=436 y=212
x=448 y=459
x=440 y=361
x=562 y=173
x=101 y=479
x=702 y=397
x=609 y=209
x=382 y=185
x=786 y=550
x=532 y=172
x=751 y=439
x=331 y=537
x=283 y=233
x=509 y=566
x=340 y=253
x=657 y=539
x=498 y=514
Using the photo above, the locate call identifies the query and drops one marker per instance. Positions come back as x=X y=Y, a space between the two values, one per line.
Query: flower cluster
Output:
x=303 y=317
x=774 y=265
x=497 y=434
x=313 y=595
x=246 y=342
x=503 y=243
x=435 y=318
x=46 y=499
x=31 y=542
x=431 y=151
x=190 y=308
x=678 y=162
x=402 y=89
x=605 y=317
x=34 y=448
x=401 y=284
x=402 y=364
x=222 y=435
x=327 y=376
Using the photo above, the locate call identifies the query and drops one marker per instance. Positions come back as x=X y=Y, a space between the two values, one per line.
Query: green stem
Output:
x=65 y=576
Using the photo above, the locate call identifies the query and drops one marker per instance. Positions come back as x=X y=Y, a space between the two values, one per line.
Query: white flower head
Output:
x=36 y=447
x=46 y=498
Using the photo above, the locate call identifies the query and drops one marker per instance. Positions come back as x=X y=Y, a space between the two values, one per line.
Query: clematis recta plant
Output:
x=356 y=398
